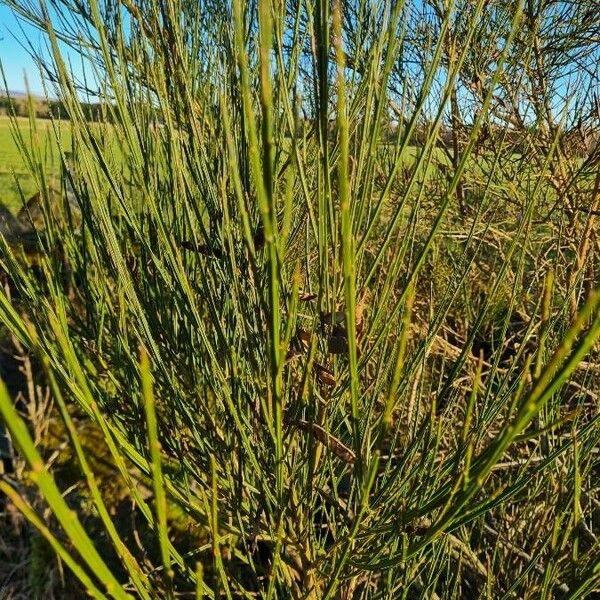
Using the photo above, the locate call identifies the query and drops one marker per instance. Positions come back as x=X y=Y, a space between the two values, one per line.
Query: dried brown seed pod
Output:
x=259 y=237
x=203 y=249
x=292 y=354
x=304 y=338
x=339 y=330
x=307 y=297
x=324 y=375
x=337 y=344
x=299 y=345
x=329 y=441
x=332 y=318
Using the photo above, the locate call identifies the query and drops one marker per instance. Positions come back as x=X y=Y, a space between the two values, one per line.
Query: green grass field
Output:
x=15 y=177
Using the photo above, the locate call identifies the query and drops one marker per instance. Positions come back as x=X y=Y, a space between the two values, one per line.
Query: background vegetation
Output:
x=16 y=181
x=313 y=310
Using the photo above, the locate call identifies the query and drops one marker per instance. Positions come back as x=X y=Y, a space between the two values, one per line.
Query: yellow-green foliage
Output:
x=362 y=366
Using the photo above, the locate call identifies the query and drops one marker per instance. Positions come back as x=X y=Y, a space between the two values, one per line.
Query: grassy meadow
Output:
x=16 y=179
x=313 y=311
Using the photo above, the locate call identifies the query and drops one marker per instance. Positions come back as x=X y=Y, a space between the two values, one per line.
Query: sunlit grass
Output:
x=15 y=177
x=359 y=368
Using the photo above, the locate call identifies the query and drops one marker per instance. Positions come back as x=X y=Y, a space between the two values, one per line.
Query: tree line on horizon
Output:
x=579 y=139
x=45 y=108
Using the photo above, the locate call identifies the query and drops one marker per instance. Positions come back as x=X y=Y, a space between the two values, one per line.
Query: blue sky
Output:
x=14 y=57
